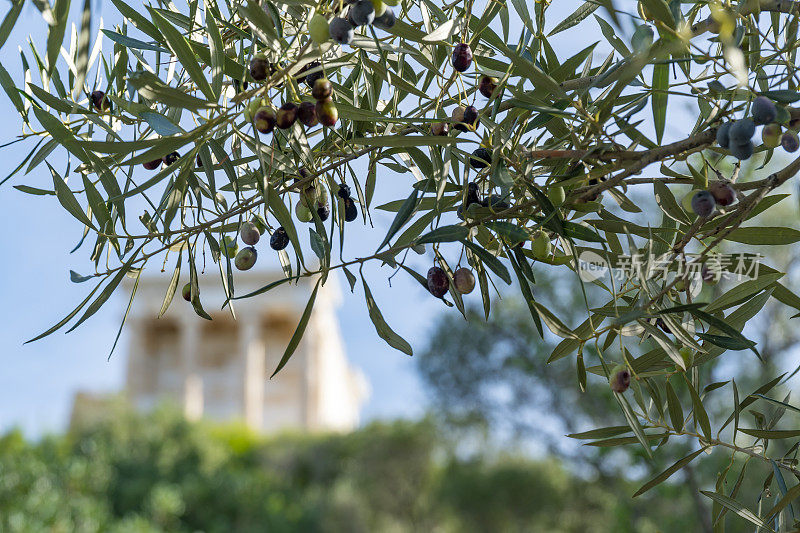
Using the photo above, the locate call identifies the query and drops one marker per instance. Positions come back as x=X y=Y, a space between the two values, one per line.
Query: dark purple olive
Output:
x=152 y=165
x=307 y=114
x=462 y=57
x=99 y=100
x=341 y=30
x=790 y=142
x=171 y=158
x=723 y=193
x=386 y=20
x=259 y=67
x=723 y=135
x=327 y=114
x=471 y=117
x=314 y=76
x=286 y=115
x=438 y=282
x=457 y=117
x=323 y=211
x=344 y=191
x=620 y=380
x=361 y=13
x=703 y=203
x=322 y=90
x=480 y=158
x=663 y=325
x=487 y=86
x=265 y=120
x=763 y=110
x=279 y=239
x=350 y=210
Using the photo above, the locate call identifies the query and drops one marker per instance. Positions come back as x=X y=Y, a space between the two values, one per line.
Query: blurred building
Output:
x=220 y=369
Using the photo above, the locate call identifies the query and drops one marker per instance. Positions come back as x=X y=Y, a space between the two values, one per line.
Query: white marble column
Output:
x=252 y=353
x=192 y=394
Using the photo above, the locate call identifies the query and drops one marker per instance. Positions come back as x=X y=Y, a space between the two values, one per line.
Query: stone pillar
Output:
x=192 y=393
x=252 y=352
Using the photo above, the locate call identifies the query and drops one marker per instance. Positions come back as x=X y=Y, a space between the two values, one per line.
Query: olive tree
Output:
x=221 y=121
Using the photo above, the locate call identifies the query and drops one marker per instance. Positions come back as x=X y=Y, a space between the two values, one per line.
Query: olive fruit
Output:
x=556 y=194
x=722 y=192
x=462 y=57
x=323 y=211
x=439 y=128
x=171 y=158
x=152 y=165
x=259 y=67
x=286 y=115
x=541 y=246
x=620 y=379
x=741 y=131
x=457 y=116
x=350 y=210
x=318 y=29
x=99 y=100
x=471 y=117
x=252 y=108
x=789 y=141
x=279 y=239
x=341 y=30
x=464 y=280
x=438 y=282
x=487 y=85
x=361 y=13
x=302 y=212
x=312 y=77
x=723 y=137
x=228 y=246
x=327 y=114
x=186 y=292
x=249 y=233
x=385 y=20
x=763 y=110
x=663 y=325
x=742 y=151
x=495 y=202
x=703 y=203
x=246 y=258
x=771 y=135
x=307 y=114
x=344 y=191
x=265 y=119
x=480 y=158
x=322 y=90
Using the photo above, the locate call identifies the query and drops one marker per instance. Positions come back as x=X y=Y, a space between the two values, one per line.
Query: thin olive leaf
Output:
x=737 y=508
x=298 y=332
x=172 y=287
x=384 y=331
x=663 y=476
x=401 y=218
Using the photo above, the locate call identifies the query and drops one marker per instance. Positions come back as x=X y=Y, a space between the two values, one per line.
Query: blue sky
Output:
x=38 y=379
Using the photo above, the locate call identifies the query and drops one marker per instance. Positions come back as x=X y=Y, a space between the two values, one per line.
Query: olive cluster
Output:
x=342 y=28
x=736 y=136
x=705 y=202
x=439 y=283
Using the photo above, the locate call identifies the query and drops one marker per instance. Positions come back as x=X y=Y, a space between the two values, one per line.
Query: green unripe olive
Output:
x=556 y=194
x=246 y=258
x=771 y=135
x=252 y=108
x=318 y=29
x=228 y=247
x=303 y=212
x=379 y=6
x=259 y=223
x=186 y=292
x=541 y=246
